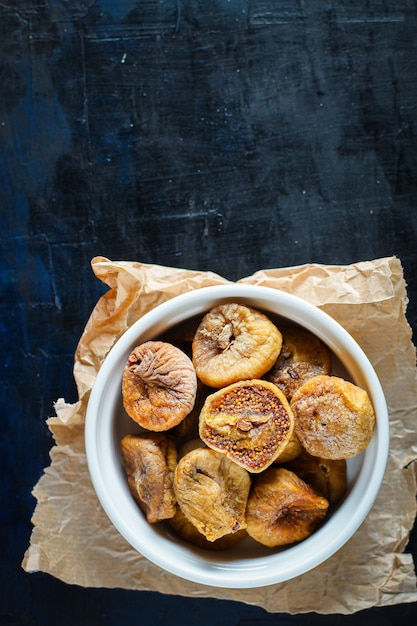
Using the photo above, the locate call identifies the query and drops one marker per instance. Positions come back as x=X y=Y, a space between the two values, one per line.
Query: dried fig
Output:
x=291 y=451
x=159 y=385
x=334 y=418
x=234 y=342
x=190 y=444
x=302 y=356
x=250 y=421
x=150 y=460
x=282 y=509
x=189 y=425
x=187 y=531
x=327 y=476
x=212 y=492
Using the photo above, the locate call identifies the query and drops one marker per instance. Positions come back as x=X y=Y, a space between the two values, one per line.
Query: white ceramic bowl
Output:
x=248 y=564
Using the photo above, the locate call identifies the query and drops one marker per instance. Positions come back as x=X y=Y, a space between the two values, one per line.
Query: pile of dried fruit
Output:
x=244 y=430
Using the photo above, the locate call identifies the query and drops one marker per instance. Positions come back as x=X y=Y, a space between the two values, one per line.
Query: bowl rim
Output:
x=190 y=564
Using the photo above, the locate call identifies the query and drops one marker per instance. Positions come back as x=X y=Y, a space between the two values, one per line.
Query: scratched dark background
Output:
x=225 y=135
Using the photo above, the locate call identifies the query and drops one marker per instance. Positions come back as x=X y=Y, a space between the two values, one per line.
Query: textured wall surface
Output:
x=226 y=135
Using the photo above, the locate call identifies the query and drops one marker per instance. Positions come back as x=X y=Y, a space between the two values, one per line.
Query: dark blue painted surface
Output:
x=228 y=136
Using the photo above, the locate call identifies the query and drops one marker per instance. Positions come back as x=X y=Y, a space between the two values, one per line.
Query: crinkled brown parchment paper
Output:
x=72 y=537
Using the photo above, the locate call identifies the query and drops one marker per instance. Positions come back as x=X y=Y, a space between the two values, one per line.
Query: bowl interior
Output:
x=249 y=564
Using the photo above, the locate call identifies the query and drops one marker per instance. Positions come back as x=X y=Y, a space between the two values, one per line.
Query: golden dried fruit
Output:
x=189 y=426
x=159 y=385
x=302 y=356
x=188 y=445
x=187 y=531
x=334 y=418
x=282 y=509
x=250 y=422
x=150 y=460
x=327 y=476
x=212 y=492
x=291 y=451
x=234 y=342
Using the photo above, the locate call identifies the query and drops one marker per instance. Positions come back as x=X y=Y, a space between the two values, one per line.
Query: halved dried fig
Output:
x=212 y=492
x=302 y=356
x=150 y=460
x=234 y=342
x=159 y=385
x=334 y=418
x=282 y=509
x=327 y=476
x=250 y=421
x=187 y=531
